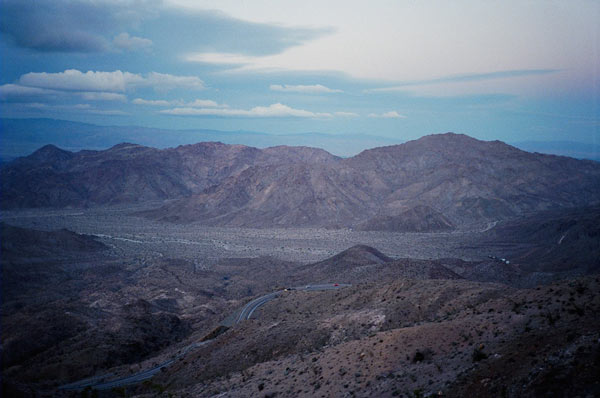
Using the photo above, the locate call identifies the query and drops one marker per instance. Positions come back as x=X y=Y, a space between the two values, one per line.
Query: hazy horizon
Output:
x=76 y=136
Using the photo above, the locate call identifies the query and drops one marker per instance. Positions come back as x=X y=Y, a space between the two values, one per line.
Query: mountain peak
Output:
x=358 y=255
x=49 y=154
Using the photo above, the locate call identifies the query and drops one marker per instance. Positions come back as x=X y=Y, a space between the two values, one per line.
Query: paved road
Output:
x=249 y=308
x=100 y=383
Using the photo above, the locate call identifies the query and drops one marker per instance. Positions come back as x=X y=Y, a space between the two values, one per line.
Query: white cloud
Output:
x=131 y=43
x=388 y=115
x=73 y=79
x=308 y=89
x=273 y=110
x=15 y=91
x=165 y=81
x=198 y=103
x=372 y=40
x=346 y=114
x=141 y=101
x=102 y=96
x=201 y=103
x=116 y=81
x=222 y=58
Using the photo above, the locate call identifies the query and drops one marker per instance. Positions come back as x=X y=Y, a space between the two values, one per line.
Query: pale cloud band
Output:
x=124 y=41
x=306 y=89
x=116 y=81
x=273 y=110
x=388 y=115
x=198 y=103
x=15 y=92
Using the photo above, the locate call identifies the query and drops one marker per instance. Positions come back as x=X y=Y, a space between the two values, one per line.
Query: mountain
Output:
x=456 y=179
x=20 y=137
x=128 y=173
x=435 y=183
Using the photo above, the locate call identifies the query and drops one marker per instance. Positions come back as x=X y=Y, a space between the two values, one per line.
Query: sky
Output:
x=524 y=70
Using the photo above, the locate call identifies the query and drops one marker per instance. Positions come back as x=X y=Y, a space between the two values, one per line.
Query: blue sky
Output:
x=508 y=70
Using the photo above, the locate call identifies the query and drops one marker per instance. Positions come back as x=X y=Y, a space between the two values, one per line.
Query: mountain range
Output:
x=448 y=179
x=20 y=137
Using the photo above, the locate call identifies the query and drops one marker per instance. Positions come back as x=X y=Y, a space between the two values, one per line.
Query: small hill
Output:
x=18 y=241
x=416 y=219
x=355 y=256
x=363 y=264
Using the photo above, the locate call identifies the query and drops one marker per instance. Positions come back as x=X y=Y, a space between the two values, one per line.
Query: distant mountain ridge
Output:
x=129 y=173
x=449 y=179
x=462 y=180
x=20 y=137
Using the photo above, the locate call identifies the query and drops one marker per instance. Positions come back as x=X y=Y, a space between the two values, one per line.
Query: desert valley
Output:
x=445 y=266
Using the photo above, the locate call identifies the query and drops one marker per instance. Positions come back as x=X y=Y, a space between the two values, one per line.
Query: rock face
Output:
x=431 y=184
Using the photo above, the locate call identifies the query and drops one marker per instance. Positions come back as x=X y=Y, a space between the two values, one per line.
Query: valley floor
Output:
x=129 y=235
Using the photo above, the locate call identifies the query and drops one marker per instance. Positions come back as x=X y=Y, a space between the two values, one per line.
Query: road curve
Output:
x=249 y=308
x=100 y=383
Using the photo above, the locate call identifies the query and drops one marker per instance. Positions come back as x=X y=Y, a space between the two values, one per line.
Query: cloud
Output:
x=388 y=115
x=116 y=81
x=198 y=103
x=141 y=101
x=131 y=43
x=201 y=103
x=463 y=84
x=164 y=81
x=222 y=58
x=346 y=114
x=62 y=25
x=308 y=89
x=102 y=96
x=73 y=79
x=213 y=31
x=15 y=92
x=97 y=26
x=273 y=110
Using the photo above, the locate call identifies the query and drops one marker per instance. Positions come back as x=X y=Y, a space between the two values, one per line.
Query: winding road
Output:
x=100 y=382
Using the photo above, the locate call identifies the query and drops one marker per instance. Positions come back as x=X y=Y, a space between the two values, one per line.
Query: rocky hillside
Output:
x=406 y=338
x=429 y=184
